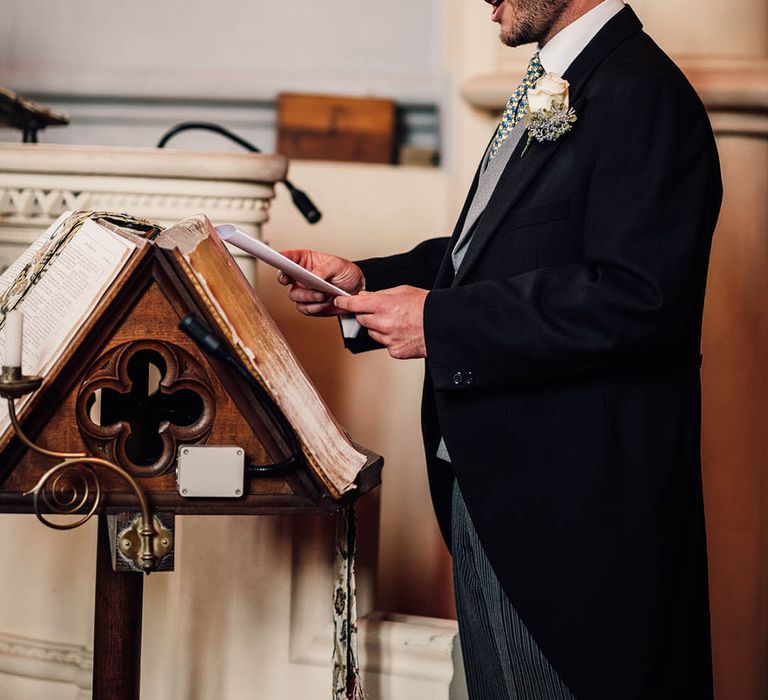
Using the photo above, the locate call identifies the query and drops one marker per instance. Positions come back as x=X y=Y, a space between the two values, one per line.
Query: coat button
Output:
x=468 y=378
x=458 y=378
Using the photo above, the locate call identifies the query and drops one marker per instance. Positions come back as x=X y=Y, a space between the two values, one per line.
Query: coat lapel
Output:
x=445 y=271
x=514 y=181
x=521 y=172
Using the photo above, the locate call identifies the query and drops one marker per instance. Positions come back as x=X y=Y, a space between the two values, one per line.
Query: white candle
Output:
x=14 y=333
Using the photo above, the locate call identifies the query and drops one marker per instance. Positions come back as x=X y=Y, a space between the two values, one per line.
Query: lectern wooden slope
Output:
x=200 y=400
x=126 y=399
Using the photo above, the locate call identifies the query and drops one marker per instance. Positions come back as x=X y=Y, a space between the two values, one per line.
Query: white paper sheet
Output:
x=231 y=234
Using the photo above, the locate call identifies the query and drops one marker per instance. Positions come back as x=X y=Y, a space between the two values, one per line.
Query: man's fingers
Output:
x=394 y=290
x=380 y=338
x=375 y=322
x=300 y=257
x=329 y=269
x=362 y=303
x=284 y=279
x=342 y=273
x=301 y=295
x=324 y=309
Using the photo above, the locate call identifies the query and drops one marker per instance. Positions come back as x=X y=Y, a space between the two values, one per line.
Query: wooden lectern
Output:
x=135 y=421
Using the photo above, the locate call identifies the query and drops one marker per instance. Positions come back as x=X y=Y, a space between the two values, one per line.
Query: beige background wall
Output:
x=735 y=440
x=369 y=211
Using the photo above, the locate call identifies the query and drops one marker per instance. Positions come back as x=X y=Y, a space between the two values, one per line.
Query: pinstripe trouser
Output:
x=501 y=659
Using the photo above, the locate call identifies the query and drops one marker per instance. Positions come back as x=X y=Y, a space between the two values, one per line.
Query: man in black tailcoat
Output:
x=561 y=325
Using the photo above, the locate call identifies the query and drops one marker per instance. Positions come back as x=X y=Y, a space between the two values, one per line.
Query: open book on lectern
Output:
x=78 y=264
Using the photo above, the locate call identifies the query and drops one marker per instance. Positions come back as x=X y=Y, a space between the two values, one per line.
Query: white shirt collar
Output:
x=563 y=48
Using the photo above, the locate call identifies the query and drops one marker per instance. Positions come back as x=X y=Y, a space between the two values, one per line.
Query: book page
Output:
x=64 y=297
x=13 y=271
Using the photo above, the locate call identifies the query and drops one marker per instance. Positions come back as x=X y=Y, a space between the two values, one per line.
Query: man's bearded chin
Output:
x=533 y=20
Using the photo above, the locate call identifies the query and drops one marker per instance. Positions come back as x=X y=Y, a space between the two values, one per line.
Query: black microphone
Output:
x=206 y=341
x=303 y=203
x=211 y=344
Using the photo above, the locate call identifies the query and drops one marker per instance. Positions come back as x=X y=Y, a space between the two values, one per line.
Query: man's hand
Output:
x=338 y=271
x=393 y=317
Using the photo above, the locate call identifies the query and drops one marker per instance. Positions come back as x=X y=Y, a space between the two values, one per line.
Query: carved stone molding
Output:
x=48 y=204
x=142 y=162
x=739 y=124
x=737 y=90
x=43 y=206
x=729 y=84
x=408 y=646
x=40 y=181
x=46 y=661
x=140 y=429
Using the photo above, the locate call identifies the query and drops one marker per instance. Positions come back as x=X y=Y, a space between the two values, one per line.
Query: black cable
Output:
x=207 y=126
x=212 y=345
x=303 y=203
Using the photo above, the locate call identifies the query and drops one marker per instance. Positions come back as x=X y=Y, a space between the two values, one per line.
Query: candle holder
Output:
x=14 y=384
x=68 y=487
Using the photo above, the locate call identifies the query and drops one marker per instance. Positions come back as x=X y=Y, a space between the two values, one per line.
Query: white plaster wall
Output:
x=226 y=49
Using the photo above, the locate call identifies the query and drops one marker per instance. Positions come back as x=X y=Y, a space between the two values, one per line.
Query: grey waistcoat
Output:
x=490 y=173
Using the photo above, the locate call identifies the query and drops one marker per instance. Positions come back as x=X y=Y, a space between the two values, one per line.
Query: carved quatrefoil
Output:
x=140 y=401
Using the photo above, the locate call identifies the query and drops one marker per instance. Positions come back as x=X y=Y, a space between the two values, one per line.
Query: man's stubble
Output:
x=532 y=20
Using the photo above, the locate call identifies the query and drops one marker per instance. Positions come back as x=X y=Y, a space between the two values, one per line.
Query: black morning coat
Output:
x=563 y=371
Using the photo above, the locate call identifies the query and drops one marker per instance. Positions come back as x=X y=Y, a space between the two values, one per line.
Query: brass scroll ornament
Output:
x=68 y=487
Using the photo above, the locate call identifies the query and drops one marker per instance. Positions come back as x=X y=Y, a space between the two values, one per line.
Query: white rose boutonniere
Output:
x=549 y=114
x=550 y=91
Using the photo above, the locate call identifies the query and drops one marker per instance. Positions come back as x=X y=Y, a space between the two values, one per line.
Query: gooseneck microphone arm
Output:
x=303 y=203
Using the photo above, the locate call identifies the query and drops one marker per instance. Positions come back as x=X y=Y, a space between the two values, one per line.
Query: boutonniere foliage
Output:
x=549 y=115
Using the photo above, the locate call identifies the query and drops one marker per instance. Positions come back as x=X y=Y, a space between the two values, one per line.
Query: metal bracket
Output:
x=132 y=543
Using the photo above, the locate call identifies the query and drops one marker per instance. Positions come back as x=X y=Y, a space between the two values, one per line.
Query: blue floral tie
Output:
x=517 y=105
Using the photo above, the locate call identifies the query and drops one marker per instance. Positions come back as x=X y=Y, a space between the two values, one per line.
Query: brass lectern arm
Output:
x=69 y=487
x=66 y=497
x=31 y=445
